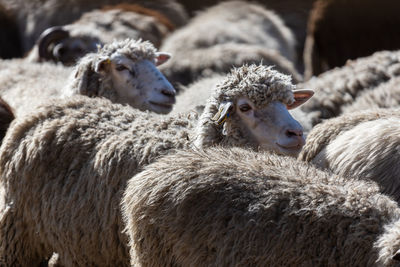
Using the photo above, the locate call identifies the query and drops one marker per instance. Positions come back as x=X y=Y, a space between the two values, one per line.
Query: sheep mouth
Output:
x=163 y=105
x=290 y=149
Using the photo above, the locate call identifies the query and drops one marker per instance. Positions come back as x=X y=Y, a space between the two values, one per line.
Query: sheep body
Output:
x=233 y=207
x=26 y=84
x=95 y=138
x=228 y=22
x=386 y=95
x=101 y=146
x=339 y=87
x=361 y=144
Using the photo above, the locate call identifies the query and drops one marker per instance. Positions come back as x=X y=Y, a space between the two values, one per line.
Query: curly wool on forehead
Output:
x=134 y=49
x=261 y=84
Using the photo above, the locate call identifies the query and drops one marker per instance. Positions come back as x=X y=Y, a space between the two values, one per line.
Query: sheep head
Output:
x=250 y=108
x=125 y=72
x=56 y=44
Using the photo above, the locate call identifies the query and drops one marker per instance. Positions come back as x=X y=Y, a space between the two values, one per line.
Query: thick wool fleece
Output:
x=341 y=86
x=363 y=144
x=234 y=207
x=64 y=168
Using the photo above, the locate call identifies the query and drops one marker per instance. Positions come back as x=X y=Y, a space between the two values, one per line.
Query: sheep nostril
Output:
x=292 y=133
x=168 y=92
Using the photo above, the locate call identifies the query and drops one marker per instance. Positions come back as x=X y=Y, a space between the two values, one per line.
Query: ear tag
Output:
x=223 y=119
x=222 y=114
x=108 y=61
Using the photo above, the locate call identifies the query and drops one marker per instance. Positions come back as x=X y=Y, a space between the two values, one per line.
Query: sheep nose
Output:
x=294 y=132
x=168 y=92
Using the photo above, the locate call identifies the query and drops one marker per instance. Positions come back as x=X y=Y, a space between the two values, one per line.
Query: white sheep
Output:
x=236 y=207
x=361 y=144
x=68 y=43
x=122 y=71
x=339 y=87
x=74 y=157
x=228 y=22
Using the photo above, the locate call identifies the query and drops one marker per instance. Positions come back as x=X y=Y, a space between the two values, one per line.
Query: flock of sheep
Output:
x=199 y=133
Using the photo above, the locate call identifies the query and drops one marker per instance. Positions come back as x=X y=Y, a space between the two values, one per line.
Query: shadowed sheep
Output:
x=361 y=144
x=35 y=16
x=6 y=117
x=228 y=22
x=74 y=157
x=386 y=95
x=10 y=43
x=68 y=43
x=235 y=207
x=339 y=87
x=339 y=30
x=123 y=72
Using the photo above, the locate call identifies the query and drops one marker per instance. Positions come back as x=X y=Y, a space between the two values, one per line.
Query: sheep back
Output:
x=63 y=169
x=234 y=207
x=341 y=86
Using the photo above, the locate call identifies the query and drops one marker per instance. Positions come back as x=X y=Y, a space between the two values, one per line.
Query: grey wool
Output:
x=339 y=87
x=361 y=144
x=386 y=95
x=74 y=157
x=235 y=207
x=229 y=22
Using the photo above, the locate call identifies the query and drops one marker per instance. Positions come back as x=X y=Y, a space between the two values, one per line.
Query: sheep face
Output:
x=270 y=127
x=56 y=44
x=140 y=84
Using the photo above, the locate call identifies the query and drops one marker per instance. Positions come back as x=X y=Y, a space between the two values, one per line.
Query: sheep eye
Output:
x=244 y=107
x=120 y=67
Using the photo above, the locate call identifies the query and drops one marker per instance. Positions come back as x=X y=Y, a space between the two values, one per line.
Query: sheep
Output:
x=10 y=43
x=341 y=86
x=364 y=27
x=359 y=144
x=194 y=97
x=228 y=22
x=6 y=117
x=35 y=16
x=236 y=207
x=386 y=95
x=219 y=59
x=123 y=72
x=70 y=42
x=102 y=145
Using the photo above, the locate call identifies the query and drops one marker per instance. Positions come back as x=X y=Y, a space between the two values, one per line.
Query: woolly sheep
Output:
x=123 y=72
x=228 y=22
x=35 y=16
x=361 y=144
x=341 y=86
x=235 y=207
x=102 y=145
x=386 y=95
x=6 y=117
x=364 y=27
x=220 y=58
x=70 y=42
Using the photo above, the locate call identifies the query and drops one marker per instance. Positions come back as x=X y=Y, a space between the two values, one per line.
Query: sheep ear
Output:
x=102 y=64
x=301 y=96
x=162 y=57
x=396 y=256
x=224 y=111
x=86 y=80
